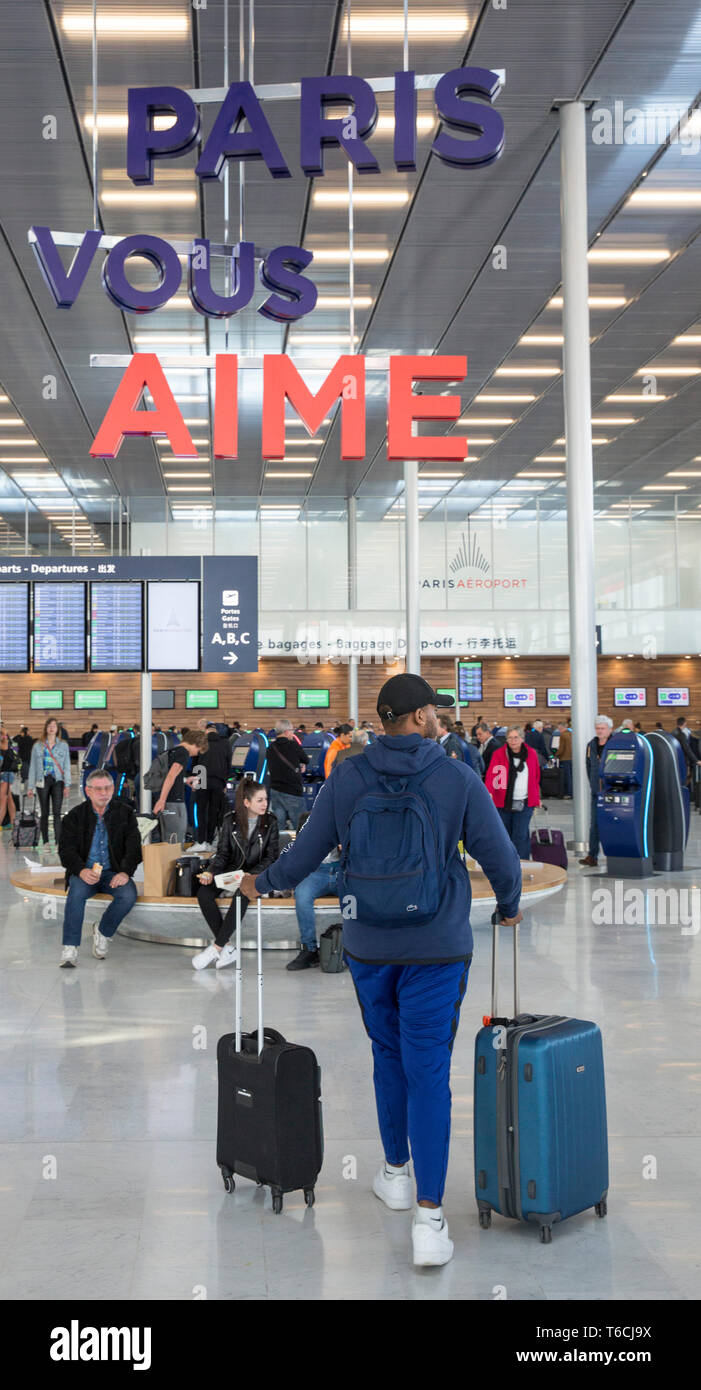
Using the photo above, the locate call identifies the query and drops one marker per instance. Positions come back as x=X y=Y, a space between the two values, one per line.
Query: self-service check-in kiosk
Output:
x=316 y=745
x=625 y=806
x=249 y=758
x=672 y=804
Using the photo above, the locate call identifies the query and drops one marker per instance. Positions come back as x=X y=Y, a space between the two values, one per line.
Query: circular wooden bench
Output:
x=178 y=921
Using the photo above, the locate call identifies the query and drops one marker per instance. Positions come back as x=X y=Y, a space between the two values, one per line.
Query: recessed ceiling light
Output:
x=117 y=123
x=426 y=25
x=541 y=339
x=185 y=458
x=528 y=371
x=641 y=399
x=12 y=423
x=496 y=396
x=186 y=475
x=610 y=420
x=487 y=420
x=627 y=256
x=595 y=301
x=165 y=443
x=362 y=255
x=130 y=24
x=667 y=371
x=481 y=439
x=596 y=439
x=362 y=197
x=665 y=198
x=684 y=473
x=550 y=458
x=165 y=339
x=145 y=198
x=23 y=458
x=195 y=488
x=269 y=474
x=664 y=487
x=295 y=458
x=342 y=301
x=538 y=475
x=314 y=339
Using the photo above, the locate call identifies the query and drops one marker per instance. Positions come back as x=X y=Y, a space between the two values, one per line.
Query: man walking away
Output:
x=488 y=744
x=286 y=758
x=100 y=848
x=398 y=811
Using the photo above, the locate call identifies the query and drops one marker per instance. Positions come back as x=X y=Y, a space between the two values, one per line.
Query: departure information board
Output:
x=469 y=682
x=115 y=627
x=59 y=627
x=174 y=627
x=14 y=627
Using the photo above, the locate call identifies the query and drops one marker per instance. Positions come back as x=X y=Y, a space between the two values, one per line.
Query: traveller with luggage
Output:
x=166 y=777
x=100 y=849
x=398 y=811
x=50 y=776
x=513 y=782
x=250 y=840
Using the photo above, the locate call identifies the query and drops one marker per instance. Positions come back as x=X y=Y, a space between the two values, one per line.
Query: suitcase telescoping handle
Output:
x=495 y=967
x=259 y=934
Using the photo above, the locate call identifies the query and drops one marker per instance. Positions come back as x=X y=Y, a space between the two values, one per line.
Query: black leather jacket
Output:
x=234 y=853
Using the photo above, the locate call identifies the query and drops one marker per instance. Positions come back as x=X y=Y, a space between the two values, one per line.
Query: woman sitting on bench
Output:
x=250 y=840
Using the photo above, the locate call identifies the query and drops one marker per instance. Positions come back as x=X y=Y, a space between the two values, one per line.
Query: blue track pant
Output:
x=411 y=1015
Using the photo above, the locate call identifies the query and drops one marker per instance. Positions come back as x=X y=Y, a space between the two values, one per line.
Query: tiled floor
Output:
x=108 y=1182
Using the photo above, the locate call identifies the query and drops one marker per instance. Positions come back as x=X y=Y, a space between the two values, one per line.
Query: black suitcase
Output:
x=186 y=869
x=269 y=1124
x=25 y=828
x=552 y=781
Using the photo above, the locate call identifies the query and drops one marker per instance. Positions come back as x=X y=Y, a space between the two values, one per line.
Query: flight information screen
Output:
x=59 y=627
x=469 y=681
x=116 y=639
x=14 y=627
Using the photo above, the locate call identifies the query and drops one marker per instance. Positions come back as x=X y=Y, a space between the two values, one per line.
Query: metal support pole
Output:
x=145 y=749
x=353 y=688
x=411 y=566
x=352 y=604
x=580 y=471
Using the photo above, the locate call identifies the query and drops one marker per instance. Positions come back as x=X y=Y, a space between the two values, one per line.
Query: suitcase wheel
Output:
x=485 y=1220
x=228 y=1180
x=601 y=1207
x=277 y=1203
x=309 y=1196
x=546 y=1234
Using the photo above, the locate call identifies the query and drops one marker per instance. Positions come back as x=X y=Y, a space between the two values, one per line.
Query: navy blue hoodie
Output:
x=467 y=813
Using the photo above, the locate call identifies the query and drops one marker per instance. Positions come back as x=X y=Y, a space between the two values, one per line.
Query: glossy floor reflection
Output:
x=108 y=1184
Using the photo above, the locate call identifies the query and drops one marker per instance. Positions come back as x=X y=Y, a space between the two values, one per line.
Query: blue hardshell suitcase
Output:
x=541 y=1150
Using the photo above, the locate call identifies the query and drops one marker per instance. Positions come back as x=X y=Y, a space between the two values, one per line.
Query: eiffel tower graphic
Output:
x=469 y=556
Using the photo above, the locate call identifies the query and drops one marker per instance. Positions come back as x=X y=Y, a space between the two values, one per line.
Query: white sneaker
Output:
x=431 y=1242
x=100 y=943
x=227 y=956
x=394 y=1189
x=205 y=958
x=69 y=956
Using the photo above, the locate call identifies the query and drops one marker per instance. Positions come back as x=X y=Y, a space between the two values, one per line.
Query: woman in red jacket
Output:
x=513 y=782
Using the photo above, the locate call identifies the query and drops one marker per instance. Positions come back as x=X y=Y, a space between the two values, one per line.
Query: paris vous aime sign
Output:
x=291 y=294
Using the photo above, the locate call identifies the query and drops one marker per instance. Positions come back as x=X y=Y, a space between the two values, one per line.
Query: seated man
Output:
x=321 y=883
x=99 y=847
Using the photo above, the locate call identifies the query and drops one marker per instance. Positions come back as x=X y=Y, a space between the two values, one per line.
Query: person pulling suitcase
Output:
x=398 y=811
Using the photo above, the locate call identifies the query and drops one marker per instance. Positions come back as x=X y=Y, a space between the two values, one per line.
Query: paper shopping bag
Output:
x=159 y=869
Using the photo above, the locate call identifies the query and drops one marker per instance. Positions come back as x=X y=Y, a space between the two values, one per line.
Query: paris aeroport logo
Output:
x=471 y=570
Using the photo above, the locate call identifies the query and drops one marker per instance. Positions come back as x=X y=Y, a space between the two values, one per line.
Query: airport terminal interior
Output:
x=344 y=342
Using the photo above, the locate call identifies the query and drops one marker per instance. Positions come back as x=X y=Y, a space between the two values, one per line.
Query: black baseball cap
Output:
x=403 y=694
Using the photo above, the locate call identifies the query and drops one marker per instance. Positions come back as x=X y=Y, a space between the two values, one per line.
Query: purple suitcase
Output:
x=548 y=847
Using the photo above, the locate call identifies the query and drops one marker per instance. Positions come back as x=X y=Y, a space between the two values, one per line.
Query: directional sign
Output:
x=230 y=613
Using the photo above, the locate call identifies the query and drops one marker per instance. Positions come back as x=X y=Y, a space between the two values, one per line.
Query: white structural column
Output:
x=352 y=604
x=411 y=567
x=580 y=472
x=145 y=749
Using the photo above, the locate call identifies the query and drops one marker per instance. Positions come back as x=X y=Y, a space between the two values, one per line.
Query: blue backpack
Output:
x=393 y=861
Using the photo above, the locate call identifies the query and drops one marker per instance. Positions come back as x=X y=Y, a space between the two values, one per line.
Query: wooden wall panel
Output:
x=236 y=691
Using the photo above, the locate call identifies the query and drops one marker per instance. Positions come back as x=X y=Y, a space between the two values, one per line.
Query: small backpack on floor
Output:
x=331 y=950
